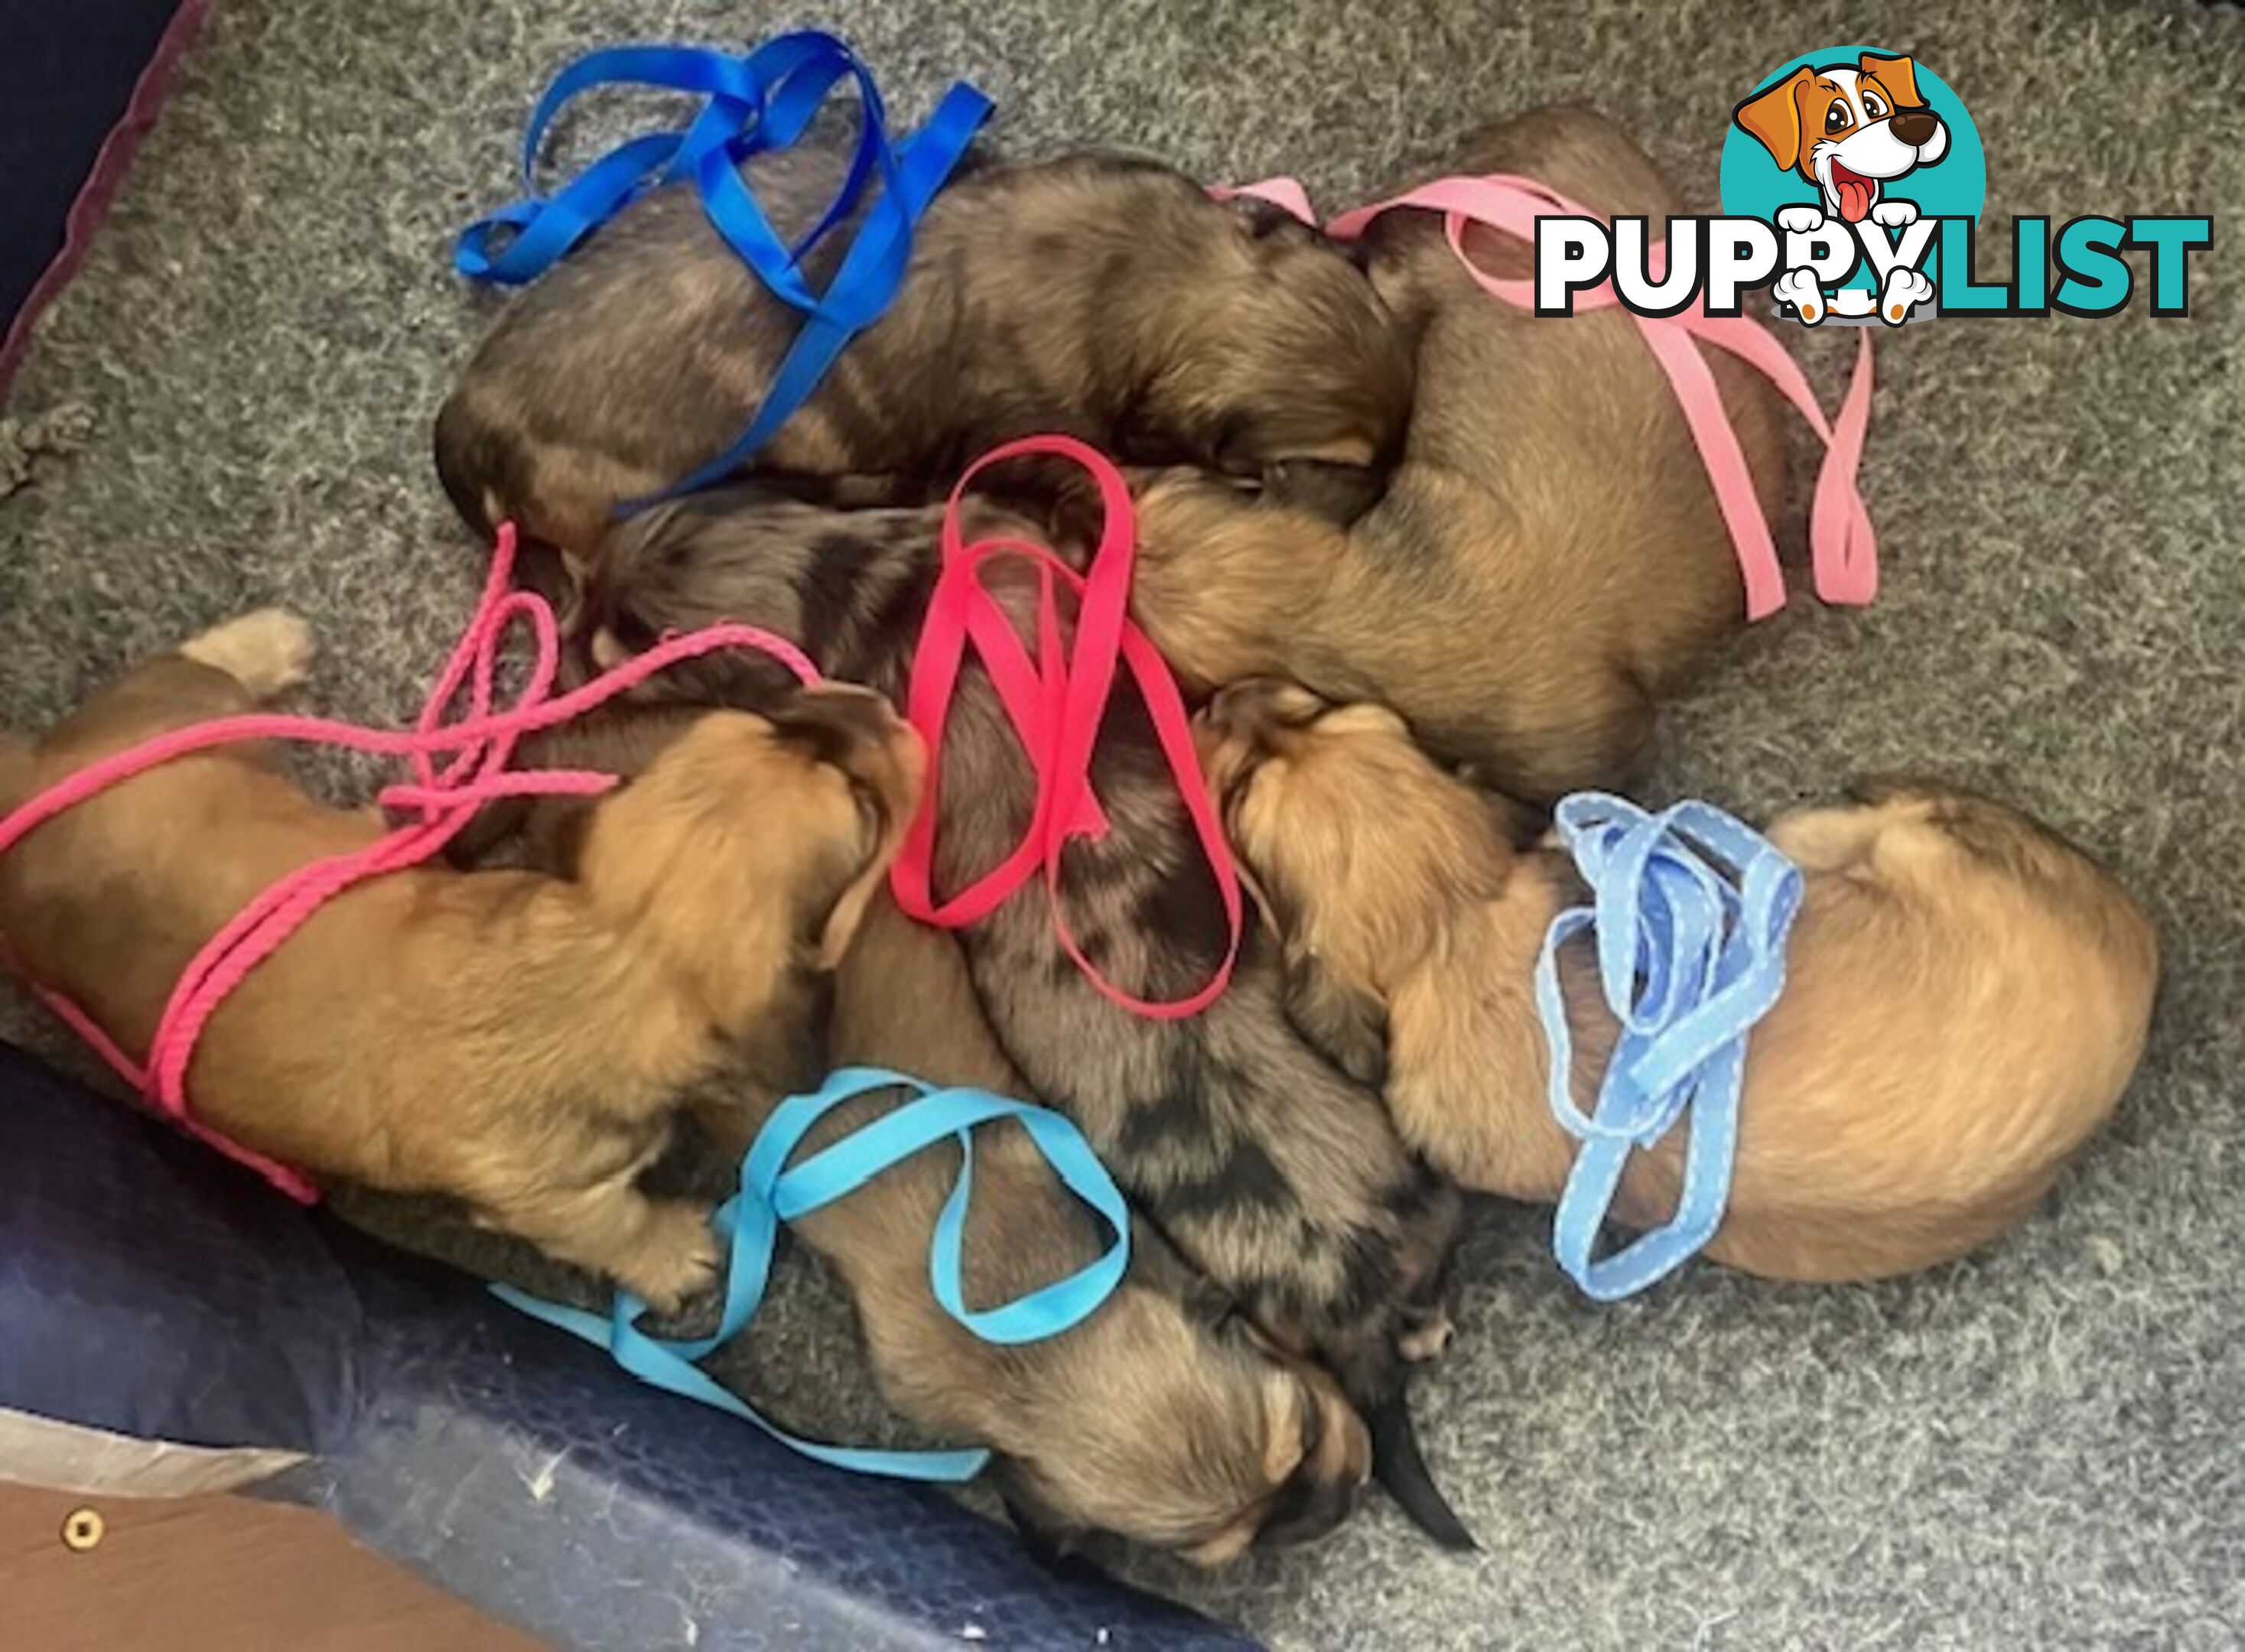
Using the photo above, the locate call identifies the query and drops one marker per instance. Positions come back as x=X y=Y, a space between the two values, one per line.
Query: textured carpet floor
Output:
x=2042 y=1447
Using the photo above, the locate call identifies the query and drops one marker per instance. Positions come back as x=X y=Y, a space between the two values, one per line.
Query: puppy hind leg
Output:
x=268 y=652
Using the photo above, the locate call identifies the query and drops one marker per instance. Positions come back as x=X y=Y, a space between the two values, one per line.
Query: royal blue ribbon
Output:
x=771 y=1193
x=763 y=100
x=1691 y=910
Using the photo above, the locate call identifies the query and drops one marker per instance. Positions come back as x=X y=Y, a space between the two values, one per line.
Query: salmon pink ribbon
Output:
x=1055 y=703
x=1842 y=547
x=440 y=799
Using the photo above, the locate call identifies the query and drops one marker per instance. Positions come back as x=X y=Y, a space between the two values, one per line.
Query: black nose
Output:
x=1915 y=126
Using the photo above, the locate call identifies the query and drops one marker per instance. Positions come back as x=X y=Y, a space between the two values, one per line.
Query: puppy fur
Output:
x=1098 y=295
x=1279 y=1178
x=520 y=1041
x=1966 y=998
x=1548 y=560
x=1165 y=1418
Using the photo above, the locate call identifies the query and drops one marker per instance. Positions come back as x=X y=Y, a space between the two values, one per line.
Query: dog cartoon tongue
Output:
x=1857 y=193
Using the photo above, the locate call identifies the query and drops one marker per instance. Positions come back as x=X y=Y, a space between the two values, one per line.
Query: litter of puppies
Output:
x=908 y=501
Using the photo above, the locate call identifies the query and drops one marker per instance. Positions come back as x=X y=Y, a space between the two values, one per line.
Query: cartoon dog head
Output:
x=1848 y=127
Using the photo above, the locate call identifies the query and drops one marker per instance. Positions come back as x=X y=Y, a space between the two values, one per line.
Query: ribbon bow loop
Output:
x=775 y=1188
x=761 y=101
x=1690 y=911
x=1056 y=703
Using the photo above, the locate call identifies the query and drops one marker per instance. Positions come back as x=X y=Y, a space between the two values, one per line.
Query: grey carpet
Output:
x=2040 y=1448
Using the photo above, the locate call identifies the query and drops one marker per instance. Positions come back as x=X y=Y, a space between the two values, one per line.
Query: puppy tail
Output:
x=1398 y=1465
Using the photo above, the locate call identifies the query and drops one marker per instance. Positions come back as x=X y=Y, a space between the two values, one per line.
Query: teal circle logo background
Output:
x=1754 y=185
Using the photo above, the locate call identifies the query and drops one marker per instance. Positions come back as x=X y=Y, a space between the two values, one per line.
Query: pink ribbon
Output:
x=1844 y=549
x=1055 y=704
x=442 y=797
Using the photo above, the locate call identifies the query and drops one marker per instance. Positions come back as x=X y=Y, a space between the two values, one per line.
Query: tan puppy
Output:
x=1967 y=993
x=1549 y=560
x=516 y=1041
x=1164 y=1418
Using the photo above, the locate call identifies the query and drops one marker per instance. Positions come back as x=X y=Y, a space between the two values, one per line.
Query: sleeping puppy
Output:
x=1966 y=995
x=1279 y=1178
x=1547 y=559
x=1164 y=1418
x=1100 y=296
x=520 y=1042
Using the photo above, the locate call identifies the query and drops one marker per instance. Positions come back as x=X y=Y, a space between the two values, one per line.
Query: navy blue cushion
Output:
x=149 y=1286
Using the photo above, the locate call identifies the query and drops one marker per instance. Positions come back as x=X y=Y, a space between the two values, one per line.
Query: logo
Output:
x=1852 y=185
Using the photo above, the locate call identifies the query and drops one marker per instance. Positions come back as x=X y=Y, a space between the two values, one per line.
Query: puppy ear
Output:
x=1348 y=1023
x=853 y=731
x=1772 y=118
x=1898 y=76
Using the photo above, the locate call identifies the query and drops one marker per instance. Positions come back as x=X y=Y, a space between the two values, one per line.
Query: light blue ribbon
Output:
x=1690 y=911
x=763 y=100
x=771 y=1193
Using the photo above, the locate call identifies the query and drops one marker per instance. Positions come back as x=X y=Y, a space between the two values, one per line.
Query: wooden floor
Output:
x=215 y=1574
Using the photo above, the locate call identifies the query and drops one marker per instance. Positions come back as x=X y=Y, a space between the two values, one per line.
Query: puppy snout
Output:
x=1328 y=1486
x=1915 y=126
x=1317 y=1513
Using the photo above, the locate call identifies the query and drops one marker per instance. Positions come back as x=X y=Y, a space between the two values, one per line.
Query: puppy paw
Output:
x=268 y=653
x=1801 y=220
x=1905 y=290
x=676 y=1259
x=1893 y=214
x=1800 y=288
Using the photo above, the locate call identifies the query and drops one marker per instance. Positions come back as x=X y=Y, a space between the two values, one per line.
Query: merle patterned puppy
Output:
x=1277 y=1175
x=1103 y=297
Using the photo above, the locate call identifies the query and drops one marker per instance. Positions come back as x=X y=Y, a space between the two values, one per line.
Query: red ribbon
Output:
x=1055 y=703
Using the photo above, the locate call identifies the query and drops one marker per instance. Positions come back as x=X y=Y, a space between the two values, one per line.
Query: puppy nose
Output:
x=1915 y=126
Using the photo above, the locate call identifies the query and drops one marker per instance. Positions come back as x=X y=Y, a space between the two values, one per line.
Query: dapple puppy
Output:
x=1164 y=1418
x=1966 y=993
x=1098 y=295
x=519 y=1041
x=1547 y=559
x=1278 y=1177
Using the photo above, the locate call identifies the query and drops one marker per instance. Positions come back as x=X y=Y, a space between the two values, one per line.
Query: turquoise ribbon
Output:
x=1691 y=910
x=748 y=1226
x=763 y=100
